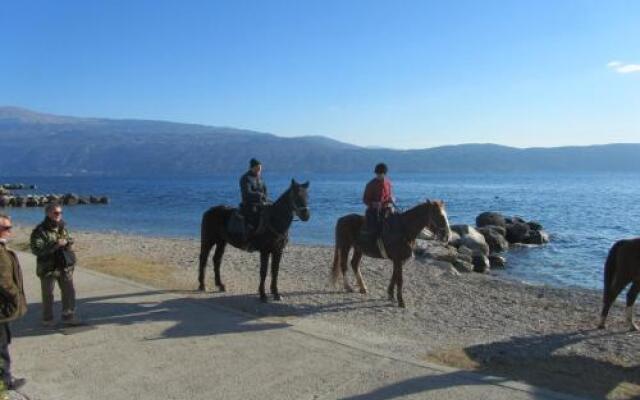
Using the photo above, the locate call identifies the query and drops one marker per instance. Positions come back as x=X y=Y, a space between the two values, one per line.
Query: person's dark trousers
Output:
x=374 y=226
x=5 y=359
x=68 y=294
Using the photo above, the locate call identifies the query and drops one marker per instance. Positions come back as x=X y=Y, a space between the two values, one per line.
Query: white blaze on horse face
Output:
x=446 y=221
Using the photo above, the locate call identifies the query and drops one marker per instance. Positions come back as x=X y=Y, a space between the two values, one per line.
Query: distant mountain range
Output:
x=33 y=143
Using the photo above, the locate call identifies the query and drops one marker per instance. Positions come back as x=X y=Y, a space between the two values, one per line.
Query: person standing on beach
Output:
x=378 y=196
x=254 y=194
x=51 y=243
x=12 y=307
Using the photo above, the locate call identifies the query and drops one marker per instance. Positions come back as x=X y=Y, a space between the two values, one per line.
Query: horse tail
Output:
x=336 y=271
x=610 y=268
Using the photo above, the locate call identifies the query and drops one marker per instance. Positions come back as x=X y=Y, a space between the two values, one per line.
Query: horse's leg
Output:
x=399 y=283
x=276 y=256
x=355 y=265
x=205 y=249
x=217 y=261
x=632 y=294
x=392 y=284
x=609 y=298
x=264 y=266
x=343 y=266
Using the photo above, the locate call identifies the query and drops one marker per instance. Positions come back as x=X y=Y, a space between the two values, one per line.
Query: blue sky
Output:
x=402 y=74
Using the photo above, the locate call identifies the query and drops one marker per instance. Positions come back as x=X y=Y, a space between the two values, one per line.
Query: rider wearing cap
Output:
x=378 y=196
x=254 y=193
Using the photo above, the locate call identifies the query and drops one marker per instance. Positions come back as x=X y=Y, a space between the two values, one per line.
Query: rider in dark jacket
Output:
x=254 y=193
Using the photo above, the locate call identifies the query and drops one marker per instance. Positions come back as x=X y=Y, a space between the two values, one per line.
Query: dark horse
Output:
x=271 y=242
x=398 y=243
x=622 y=268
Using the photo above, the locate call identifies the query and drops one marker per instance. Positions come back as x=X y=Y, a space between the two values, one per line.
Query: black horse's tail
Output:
x=610 y=268
x=336 y=271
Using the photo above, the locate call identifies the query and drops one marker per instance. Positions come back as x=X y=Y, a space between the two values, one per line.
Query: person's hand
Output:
x=62 y=242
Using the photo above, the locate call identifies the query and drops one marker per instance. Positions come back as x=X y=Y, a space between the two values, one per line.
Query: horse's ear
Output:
x=427 y=201
x=305 y=185
x=293 y=182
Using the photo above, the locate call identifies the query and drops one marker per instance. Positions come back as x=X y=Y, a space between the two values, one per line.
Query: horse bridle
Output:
x=296 y=209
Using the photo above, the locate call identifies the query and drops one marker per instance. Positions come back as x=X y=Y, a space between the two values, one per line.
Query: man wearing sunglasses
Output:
x=12 y=305
x=49 y=242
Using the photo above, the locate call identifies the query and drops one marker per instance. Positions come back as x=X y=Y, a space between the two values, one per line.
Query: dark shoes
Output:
x=16 y=383
x=71 y=320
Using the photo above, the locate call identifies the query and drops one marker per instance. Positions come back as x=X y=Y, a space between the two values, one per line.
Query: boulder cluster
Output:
x=480 y=248
x=6 y=187
x=69 y=199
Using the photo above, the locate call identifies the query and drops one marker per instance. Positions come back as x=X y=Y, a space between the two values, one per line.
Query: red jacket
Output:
x=378 y=191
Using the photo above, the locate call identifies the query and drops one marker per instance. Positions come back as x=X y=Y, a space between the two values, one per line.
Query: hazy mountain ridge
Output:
x=43 y=144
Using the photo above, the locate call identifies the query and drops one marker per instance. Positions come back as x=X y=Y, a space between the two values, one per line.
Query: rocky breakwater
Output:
x=481 y=247
x=33 y=200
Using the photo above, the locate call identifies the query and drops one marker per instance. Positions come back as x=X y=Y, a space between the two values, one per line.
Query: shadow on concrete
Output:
x=195 y=315
x=546 y=361
x=423 y=385
x=534 y=361
x=192 y=316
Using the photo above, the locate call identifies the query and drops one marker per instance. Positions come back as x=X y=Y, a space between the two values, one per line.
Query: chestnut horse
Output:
x=398 y=243
x=271 y=242
x=622 y=268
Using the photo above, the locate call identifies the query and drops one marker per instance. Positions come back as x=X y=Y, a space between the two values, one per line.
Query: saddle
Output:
x=375 y=244
x=241 y=231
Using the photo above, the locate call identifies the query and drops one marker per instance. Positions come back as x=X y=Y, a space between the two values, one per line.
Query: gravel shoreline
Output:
x=537 y=334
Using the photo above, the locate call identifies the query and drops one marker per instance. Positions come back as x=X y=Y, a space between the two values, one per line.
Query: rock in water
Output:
x=490 y=218
x=497 y=243
x=537 y=237
x=471 y=238
x=517 y=232
x=481 y=263
x=497 y=261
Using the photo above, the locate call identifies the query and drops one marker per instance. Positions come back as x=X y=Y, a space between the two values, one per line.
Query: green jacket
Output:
x=44 y=240
x=13 y=303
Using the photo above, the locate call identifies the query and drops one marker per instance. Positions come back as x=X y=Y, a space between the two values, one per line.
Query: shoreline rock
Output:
x=481 y=248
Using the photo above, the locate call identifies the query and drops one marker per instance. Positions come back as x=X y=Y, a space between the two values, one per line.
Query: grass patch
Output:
x=138 y=270
x=454 y=357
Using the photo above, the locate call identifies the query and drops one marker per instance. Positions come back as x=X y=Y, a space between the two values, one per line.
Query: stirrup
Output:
x=383 y=251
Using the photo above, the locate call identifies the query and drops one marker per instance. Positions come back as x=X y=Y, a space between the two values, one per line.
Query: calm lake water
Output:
x=584 y=213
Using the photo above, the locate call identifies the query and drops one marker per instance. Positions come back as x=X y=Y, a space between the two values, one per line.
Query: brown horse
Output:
x=271 y=242
x=398 y=243
x=622 y=268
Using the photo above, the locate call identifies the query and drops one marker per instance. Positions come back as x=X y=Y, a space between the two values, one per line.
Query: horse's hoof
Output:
x=201 y=288
x=634 y=328
x=363 y=291
x=277 y=297
x=222 y=288
x=264 y=299
x=600 y=326
x=401 y=304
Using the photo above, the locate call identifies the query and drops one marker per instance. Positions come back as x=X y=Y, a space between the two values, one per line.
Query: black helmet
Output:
x=381 y=168
x=254 y=163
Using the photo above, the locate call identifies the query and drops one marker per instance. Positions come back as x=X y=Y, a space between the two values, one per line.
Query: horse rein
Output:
x=296 y=210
